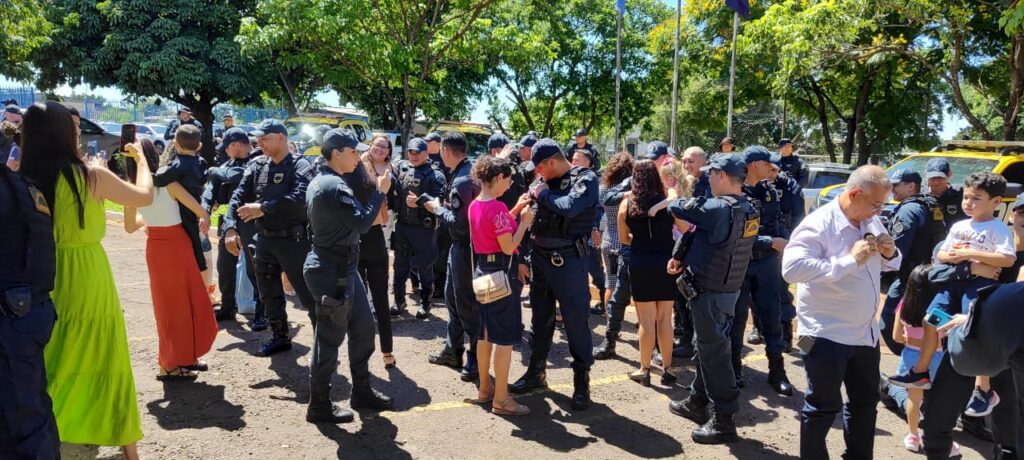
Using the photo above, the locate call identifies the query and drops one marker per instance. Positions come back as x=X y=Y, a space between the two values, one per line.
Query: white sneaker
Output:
x=912 y=442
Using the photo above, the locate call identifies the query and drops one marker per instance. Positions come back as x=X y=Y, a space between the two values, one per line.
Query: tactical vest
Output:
x=924 y=242
x=722 y=267
x=27 y=248
x=549 y=224
x=412 y=182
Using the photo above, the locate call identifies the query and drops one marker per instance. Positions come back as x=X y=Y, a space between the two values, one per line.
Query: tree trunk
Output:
x=826 y=131
x=1011 y=115
x=289 y=90
x=202 y=109
x=854 y=131
x=863 y=146
x=409 y=112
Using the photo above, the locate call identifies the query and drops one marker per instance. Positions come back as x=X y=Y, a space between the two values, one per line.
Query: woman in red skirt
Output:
x=185 y=322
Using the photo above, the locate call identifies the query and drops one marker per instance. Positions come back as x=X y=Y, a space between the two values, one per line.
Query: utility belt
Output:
x=297 y=233
x=557 y=256
x=686 y=282
x=428 y=222
x=341 y=254
x=18 y=302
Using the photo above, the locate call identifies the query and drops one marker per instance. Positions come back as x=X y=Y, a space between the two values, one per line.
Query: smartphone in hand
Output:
x=938 y=318
x=127 y=135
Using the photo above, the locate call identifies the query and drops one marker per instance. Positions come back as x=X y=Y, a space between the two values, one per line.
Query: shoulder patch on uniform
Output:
x=898 y=228
x=937 y=214
x=751 y=226
x=39 y=200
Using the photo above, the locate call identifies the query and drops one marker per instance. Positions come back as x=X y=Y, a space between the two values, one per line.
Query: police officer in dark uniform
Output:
x=580 y=143
x=228 y=120
x=434 y=151
x=525 y=166
x=495 y=143
x=790 y=163
x=415 y=234
x=566 y=203
x=272 y=193
x=26 y=319
x=222 y=182
x=336 y=221
x=463 y=309
x=764 y=274
x=444 y=237
x=791 y=196
x=716 y=262
x=184 y=118
x=917 y=226
x=937 y=173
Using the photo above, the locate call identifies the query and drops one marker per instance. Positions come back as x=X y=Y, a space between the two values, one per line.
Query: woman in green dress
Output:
x=88 y=369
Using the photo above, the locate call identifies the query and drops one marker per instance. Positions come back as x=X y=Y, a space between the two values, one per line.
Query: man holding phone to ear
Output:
x=836 y=257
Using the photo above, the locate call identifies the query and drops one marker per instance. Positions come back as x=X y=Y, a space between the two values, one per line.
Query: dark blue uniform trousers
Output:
x=354 y=317
x=414 y=247
x=620 y=295
x=829 y=366
x=463 y=310
x=568 y=286
x=714 y=380
x=946 y=401
x=27 y=426
x=761 y=292
x=887 y=319
x=274 y=255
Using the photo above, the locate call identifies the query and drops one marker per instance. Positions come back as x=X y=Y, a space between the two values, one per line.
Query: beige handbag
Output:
x=491 y=287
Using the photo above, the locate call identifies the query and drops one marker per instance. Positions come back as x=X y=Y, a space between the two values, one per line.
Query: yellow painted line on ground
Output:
x=451 y=405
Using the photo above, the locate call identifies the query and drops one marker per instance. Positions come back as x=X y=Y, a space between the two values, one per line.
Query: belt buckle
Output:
x=556 y=259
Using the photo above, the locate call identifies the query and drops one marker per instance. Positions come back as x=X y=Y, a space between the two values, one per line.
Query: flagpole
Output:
x=732 y=71
x=675 y=77
x=618 y=67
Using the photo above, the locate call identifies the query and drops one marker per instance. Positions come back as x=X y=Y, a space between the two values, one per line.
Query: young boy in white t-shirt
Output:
x=981 y=239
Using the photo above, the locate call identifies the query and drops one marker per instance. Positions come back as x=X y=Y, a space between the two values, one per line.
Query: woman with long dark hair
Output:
x=185 y=323
x=653 y=289
x=88 y=369
x=373 y=249
x=619 y=168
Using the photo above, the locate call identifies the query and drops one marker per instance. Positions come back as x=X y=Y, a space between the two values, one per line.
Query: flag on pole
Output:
x=742 y=7
x=622 y=6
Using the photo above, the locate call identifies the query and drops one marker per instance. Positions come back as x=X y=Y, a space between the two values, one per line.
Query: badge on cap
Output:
x=39 y=199
x=278 y=177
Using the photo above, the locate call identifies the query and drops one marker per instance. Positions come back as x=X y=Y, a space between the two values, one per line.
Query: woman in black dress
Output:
x=654 y=290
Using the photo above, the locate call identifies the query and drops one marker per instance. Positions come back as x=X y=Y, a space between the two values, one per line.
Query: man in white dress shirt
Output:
x=836 y=257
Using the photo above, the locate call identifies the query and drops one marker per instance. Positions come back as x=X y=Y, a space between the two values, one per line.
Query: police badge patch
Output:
x=39 y=199
x=455 y=201
x=898 y=228
x=278 y=177
x=951 y=209
x=565 y=183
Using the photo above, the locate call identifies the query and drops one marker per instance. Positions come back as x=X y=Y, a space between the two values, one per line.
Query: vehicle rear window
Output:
x=828 y=178
x=960 y=166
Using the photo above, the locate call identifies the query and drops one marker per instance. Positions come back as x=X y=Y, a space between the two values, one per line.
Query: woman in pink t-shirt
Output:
x=495 y=236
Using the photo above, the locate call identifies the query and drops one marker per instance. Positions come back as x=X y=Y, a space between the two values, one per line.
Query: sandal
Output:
x=389 y=361
x=510 y=407
x=178 y=373
x=199 y=365
x=479 y=400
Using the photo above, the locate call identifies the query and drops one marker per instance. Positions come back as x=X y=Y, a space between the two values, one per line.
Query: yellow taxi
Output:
x=302 y=126
x=965 y=158
x=476 y=135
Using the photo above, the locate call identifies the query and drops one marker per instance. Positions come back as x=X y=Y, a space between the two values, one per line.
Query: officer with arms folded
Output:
x=336 y=221
x=724 y=228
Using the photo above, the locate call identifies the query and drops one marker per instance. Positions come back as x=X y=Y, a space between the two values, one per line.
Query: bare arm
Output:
x=897 y=332
x=111 y=187
x=132 y=220
x=181 y=196
x=624 y=236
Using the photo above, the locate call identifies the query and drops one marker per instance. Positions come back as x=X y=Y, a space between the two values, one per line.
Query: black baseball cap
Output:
x=759 y=153
x=226 y=116
x=339 y=138
x=905 y=175
x=184 y=109
x=269 y=126
x=544 y=149
x=417 y=145
x=655 y=150
x=784 y=142
x=497 y=141
x=231 y=136
x=726 y=140
x=12 y=109
x=937 y=167
x=433 y=137
x=581 y=132
x=528 y=140
x=732 y=164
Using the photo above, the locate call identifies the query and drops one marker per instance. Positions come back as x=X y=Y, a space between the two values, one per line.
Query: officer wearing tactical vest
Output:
x=26 y=318
x=917 y=225
x=764 y=274
x=791 y=198
x=463 y=310
x=223 y=181
x=790 y=163
x=566 y=204
x=336 y=221
x=938 y=173
x=716 y=263
x=272 y=194
x=523 y=159
x=415 y=233
x=444 y=237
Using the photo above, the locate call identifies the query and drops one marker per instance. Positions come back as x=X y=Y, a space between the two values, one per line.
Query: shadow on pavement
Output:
x=196 y=405
x=375 y=439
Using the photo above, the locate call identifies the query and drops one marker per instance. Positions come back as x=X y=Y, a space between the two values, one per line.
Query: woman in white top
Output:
x=185 y=322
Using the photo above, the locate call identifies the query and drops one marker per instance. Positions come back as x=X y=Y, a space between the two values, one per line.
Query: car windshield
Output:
x=960 y=166
x=302 y=132
x=476 y=144
x=824 y=179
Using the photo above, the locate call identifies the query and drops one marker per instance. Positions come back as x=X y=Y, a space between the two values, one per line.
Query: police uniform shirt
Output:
x=462 y=190
x=594 y=155
x=279 y=188
x=336 y=216
x=712 y=216
x=516 y=188
x=792 y=166
x=568 y=197
x=173 y=126
x=702 y=188
x=26 y=235
x=907 y=223
x=766 y=200
x=951 y=202
x=424 y=181
x=222 y=182
x=791 y=198
x=6 y=145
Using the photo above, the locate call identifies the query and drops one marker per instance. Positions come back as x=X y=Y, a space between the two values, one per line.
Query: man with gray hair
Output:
x=836 y=257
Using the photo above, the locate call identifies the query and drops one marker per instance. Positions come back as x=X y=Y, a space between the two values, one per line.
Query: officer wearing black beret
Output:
x=790 y=163
x=566 y=205
x=27 y=316
x=336 y=221
x=715 y=262
x=272 y=194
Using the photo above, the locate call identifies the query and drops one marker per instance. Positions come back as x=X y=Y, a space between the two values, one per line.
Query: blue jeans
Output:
x=714 y=380
x=620 y=295
x=829 y=365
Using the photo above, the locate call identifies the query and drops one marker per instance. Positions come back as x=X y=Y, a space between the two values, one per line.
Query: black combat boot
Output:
x=581 y=389
x=737 y=370
x=599 y=309
x=275 y=345
x=321 y=410
x=690 y=408
x=365 y=397
x=787 y=336
x=535 y=377
x=447 y=357
x=777 y=375
x=719 y=429
x=606 y=350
